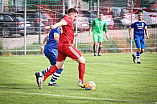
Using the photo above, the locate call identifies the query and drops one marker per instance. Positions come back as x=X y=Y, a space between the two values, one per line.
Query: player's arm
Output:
x=44 y=42
x=93 y=23
x=56 y=37
x=105 y=29
x=131 y=26
x=130 y=33
x=146 y=32
x=61 y=23
x=90 y=30
x=56 y=34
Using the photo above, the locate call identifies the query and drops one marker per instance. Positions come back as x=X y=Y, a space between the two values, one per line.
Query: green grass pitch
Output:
x=118 y=80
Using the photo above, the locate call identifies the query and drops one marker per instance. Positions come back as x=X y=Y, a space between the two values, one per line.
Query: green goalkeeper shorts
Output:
x=98 y=37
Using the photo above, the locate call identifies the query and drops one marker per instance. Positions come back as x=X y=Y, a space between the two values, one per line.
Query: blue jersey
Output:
x=139 y=27
x=51 y=41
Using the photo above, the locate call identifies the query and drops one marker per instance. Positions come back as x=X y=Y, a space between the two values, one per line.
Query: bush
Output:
x=1 y=46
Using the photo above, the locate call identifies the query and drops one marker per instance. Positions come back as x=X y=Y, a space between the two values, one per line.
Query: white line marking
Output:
x=80 y=97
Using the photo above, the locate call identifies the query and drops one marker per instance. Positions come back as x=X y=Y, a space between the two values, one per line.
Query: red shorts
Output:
x=67 y=51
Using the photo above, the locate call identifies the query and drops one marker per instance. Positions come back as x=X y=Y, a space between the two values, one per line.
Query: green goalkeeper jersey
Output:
x=99 y=26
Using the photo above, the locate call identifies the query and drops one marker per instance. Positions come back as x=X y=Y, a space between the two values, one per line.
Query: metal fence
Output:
x=40 y=14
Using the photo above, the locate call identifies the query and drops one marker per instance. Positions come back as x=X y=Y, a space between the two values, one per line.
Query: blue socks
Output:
x=138 y=56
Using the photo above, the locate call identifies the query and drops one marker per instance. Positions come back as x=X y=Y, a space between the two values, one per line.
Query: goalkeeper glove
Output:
x=89 y=32
x=107 y=37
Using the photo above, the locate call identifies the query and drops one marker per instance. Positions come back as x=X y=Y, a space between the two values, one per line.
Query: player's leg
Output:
x=51 y=54
x=134 y=57
x=60 y=61
x=55 y=76
x=137 y=54
x=94 y=48
x=49 y=71
x=81 y=69
x=99 y=50
x=76 y=55
x=100 y=40
x=52 y=69
x=95 y=39
x=140 y=50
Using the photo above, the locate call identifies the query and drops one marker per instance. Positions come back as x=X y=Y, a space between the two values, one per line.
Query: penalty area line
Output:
x=79 y=97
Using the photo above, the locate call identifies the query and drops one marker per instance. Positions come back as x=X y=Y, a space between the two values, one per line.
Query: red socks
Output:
x=51 y=71
x=81 y=69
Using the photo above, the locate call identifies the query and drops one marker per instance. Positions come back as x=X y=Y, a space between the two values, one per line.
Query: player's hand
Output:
x=89 y=32
x=131 y=37
x=147 y=36
x=42 y=47
x=52 y=27
x=107 y=37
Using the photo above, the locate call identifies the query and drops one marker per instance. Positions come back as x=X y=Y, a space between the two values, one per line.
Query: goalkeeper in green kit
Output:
x=99 y=25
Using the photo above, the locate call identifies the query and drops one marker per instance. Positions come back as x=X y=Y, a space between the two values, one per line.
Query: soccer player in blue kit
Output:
x=140 y=28
x=50 y=51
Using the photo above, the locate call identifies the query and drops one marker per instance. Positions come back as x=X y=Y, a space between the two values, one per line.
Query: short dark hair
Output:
x=139 y=11
x=72 y=10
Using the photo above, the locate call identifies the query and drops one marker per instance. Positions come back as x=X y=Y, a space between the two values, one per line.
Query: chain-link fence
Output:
x=40 y=14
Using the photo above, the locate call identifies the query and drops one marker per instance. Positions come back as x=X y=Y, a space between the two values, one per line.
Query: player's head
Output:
x=140 y=15
x=101 y=16
x=72 y=13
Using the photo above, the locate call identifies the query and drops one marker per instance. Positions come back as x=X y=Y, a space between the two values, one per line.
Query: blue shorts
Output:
x=140 y=42
x=51 y=54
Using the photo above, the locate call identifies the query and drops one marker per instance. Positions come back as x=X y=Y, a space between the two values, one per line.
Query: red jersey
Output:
x=67 y=36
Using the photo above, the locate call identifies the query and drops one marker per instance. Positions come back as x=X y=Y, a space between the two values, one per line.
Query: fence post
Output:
x=98 y=6
x=69 y=4
x=76 y=25
x=131 y=22
x=40 y=22
x=63 y=7
x=1 y=6
x=25 y=31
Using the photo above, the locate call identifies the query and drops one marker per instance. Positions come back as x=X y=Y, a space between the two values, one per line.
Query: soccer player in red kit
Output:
x=65 y=48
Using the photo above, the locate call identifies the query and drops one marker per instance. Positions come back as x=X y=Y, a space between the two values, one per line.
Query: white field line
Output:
x=79 y=97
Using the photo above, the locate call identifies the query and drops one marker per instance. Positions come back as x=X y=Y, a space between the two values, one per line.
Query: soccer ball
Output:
x=90 y=85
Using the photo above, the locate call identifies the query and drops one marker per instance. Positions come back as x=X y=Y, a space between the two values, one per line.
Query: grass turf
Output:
x=118 y=80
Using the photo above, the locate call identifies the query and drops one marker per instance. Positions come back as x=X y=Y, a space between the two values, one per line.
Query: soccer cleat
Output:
x=139 y=62
x=54 y=84
x=99 y=54
x=94 y=54
x=37 y=76
x=82 y=85
x=134 y=58
x=41 y=81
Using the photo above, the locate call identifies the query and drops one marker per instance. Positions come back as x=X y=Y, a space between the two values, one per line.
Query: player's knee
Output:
x=59 y=64
x=139 y=50
x=81 y=60
x=62 y=67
